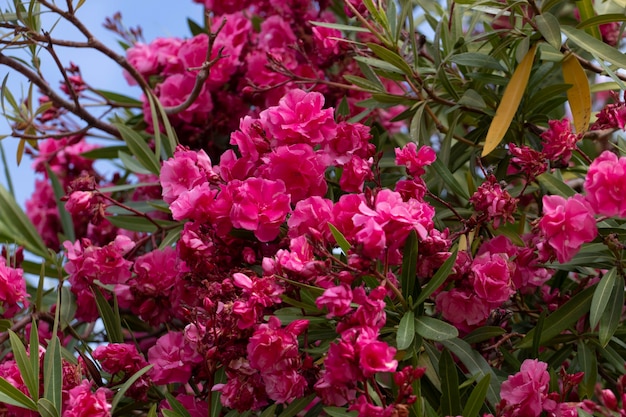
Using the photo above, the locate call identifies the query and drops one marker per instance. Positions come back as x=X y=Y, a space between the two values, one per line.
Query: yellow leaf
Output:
x=511 y=98
x=579 y=94
x=20 y=150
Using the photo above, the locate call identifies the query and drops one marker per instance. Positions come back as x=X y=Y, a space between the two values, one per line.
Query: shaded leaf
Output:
x=296 y=406
x=110 y=317
x=449 y=179
x=120 y=393
x=408 y=277
x=549 y=28
x=139 y=148
x=439 y=278
x=473 y=59
x=509 y=103
x=601 y=296
x=13 y=396
x=555 y=185
x=611 y=318
x=53 y=373
x=484 y=333
x=406 y=331
x=601 y=49
x=339 y=412
x=24 y=364
x=477 y=398
x=46 y=408
x=450 y=395
x=435 y=329
x=340 y=239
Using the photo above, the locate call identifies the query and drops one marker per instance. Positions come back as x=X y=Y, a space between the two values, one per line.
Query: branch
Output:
x=56 y=98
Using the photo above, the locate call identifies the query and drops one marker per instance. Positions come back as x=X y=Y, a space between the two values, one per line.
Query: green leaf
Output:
x=601 y=49
x=438 y=279
x=341 y=27
x=120 y=393
x=473 y=59
x=117 y=98
x=339 y=412
x=216 y=403
x=46 y=408
x=24 y=364
x=587 y=11
x=15 y=223
x=562 y=318
x=132 y=164
x=555 y=185
x=477 y=398
x=601 y=297
x=476 y=365
x=549 y=28
x=139 y=224
x=53 y=373
x=34 y=359
x=13 y=396
x=67 y=224
x=611 y=318
x=296 y=406
x=601 y=20
x=448 y=178
x=391 y=57
x=364 y=83
x=139 y=148
x=484 y=333
x=406 y=331
x=450 y=395
x=589 y=365
x=172 y=237
x=269 y=411
x=340 y=239
x=409 y=265
x=106 y=152
x=110 y=317
x=435 y=329
x=176 y=405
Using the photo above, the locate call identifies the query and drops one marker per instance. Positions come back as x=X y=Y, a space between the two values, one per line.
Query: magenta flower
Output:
x=377 y=356
x=173 y=358
x=13 y=295
x=83 y=402
x=566 y=225
x=559 y=141
x=606 y=185
x=415 y=160
x=492 y=275
x=527 y=390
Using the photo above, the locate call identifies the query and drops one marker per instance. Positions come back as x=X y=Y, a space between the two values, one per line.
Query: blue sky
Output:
x=158 y=18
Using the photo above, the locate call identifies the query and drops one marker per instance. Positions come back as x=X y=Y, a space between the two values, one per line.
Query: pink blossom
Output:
x=559 y=141
x=80 y=202
x=495 y=202
x=144 y=59
x=194 y=204
x=13 y=295
x=355 y=172
x=83 y=402
x=336 y=300
x=527 y=389
x=299 y=167
x=224 y=6
x=612 y=116
x=299 y=118
x=299 y=258
x=244 y=389
x=415 y=160
x=310 y=217
x=172 y=358
x=605 y=185
x=271 y=348
x=174 y=91
x=259 y=205
x=196 y=407
x=184 y=171
x=327 y=40
x=527 y=160
x=462 y=308
x=351 y=139
x=492 y=278
x=123 y=357
x=566 y=225
x=250 y=139
x=341 y=363
x=377 y=357
x=285 y=386
x=275 y=33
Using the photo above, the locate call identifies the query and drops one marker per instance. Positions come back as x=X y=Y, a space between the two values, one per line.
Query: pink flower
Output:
x=174 y=91
x=285 y=386
x=299 y=167
x=13 y=295
x=612 y=116
x=351 y=139
x=83 y=402
x=327 y=40
x=173 y=358
x=80 y=202
x=492 y=278
x=185 y=171
x=355 y=172
x=527 y=160
x=377 y=357
x=299 y=118
x=119 y=357
x=559 y=141
x=415 y=160
x=275 y=33
x=566 y=225
x=271 y=348
x=336 y=300
x=462 y=308
x=259 y=205
x=495 y=202
x=527 y=389
x=605 y=185
x=310 y=217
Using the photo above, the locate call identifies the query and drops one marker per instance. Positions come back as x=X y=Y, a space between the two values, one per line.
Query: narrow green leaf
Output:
x=139 y=148
x=170 y=413
x=110 y=318
x=434 y=329
x=586 y=12
x=34 y=359
x=549 y=28
x=601 y=20
x=216 y=403
x=391 y=57
x=537 y=336
x=139 y=224
x=364 y=83
x=46 y=408
x=439 y=278
x=153 y=411
x=339 y=412
x=176 y=405
x=589 y=365
x=340 y=239
x=14 y=220
x=106 y=152
x=13 y=396
x=67 y=224
x=601 y=297
x=474 y=59
x=296 y=406
x=611 y=318
x=120 y=393
x=117 y=98
x=53 y=373
x=601 y=49
x=269 y=411
x=477 y=398
x=562 y=318
x=340 y=27
x=448 y=178
x=450 y=395
x=406 y=331
x=172 y=237
x=476 y=365
x=7 y=171
x=484 y=333
x=409 y=266
x=24 y=364
x=555 y=185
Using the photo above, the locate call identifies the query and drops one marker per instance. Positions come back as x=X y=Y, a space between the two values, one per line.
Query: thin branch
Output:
x=56 y=98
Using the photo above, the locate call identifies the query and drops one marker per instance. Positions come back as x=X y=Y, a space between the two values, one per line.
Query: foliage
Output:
x=378 y=208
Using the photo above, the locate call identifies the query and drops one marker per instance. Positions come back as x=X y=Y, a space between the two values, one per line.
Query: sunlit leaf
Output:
x=549 y=28
x=579 y=94
x=509 y=103
x=601 y=49
x=53 y=373
x=11 y=395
